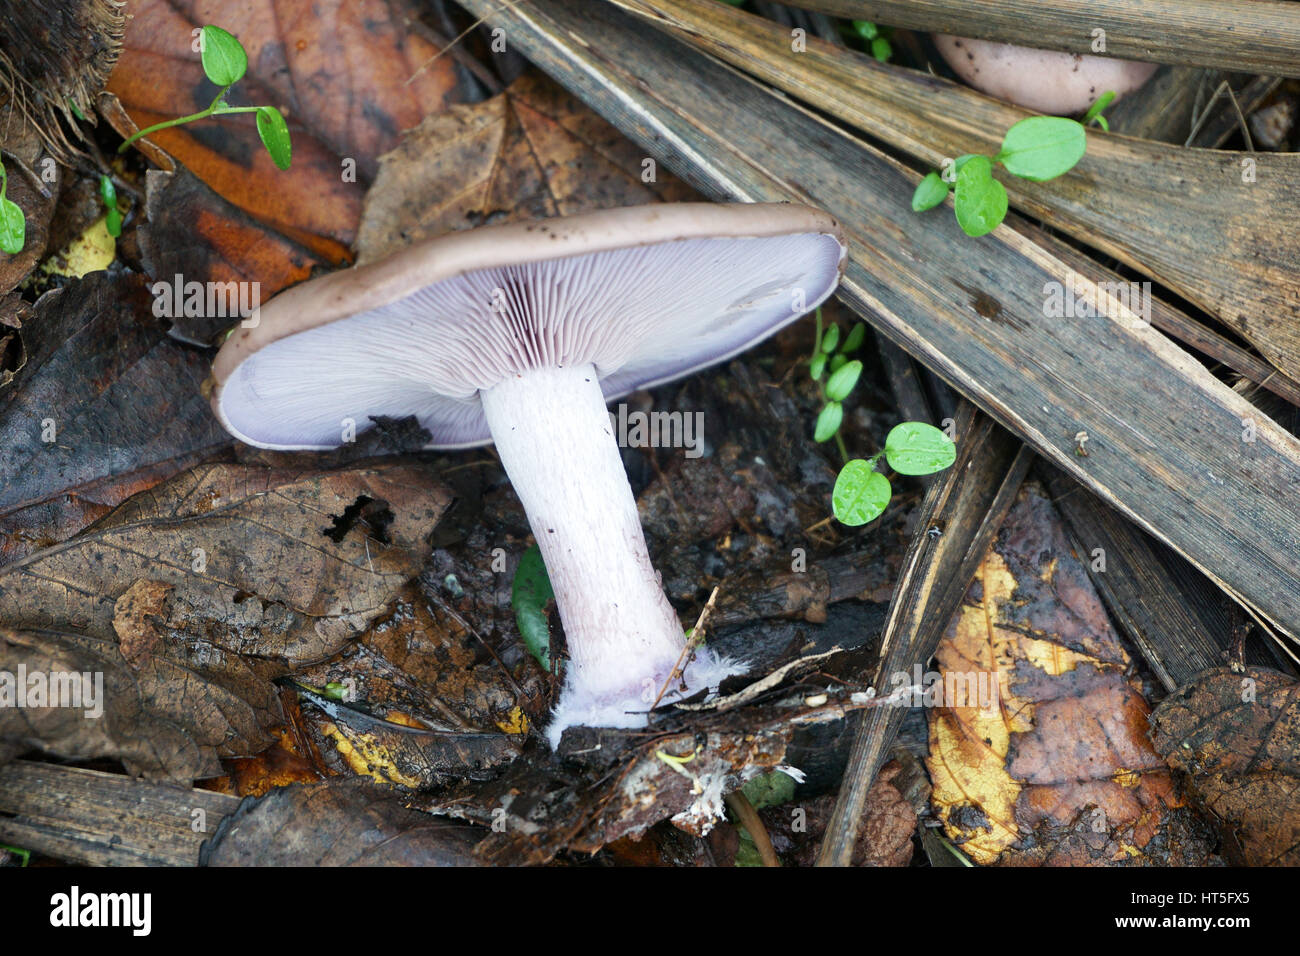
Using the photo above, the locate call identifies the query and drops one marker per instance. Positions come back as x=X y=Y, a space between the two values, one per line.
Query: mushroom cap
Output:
x=646 y=294
x=1046 y=81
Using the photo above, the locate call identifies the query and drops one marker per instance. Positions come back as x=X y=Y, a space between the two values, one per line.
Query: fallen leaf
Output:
x=531 y=152
x=290 y=759
x=136 y=617
x=1237 y=735
x=337 y=823
x=168 y=718
x=346 y=75
x=270 y=563
x=103 y=405
x=419 y=660
x=1053 y=741
x=195 y=240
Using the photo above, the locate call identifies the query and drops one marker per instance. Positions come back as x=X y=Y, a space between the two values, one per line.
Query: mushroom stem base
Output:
x=556 y=442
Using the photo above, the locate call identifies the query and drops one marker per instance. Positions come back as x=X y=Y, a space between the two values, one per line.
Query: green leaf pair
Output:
x=1038 y=148
x=225 y=63
x=861 y=493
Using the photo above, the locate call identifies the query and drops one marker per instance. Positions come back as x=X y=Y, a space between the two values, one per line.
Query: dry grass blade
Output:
x=1147 y=204
x=1246 y=36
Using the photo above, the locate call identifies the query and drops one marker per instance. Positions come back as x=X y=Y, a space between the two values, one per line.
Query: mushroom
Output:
x=1046 y=81
x=519 y=334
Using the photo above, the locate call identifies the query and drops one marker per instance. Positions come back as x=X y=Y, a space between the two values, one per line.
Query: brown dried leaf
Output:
x=195 y=236
x=37 y=207
x=529 y=153
x=136 y=617
x=170 y=717
x=1238 y=736
x=337 y=823
x=1063 y=747
x=103 y=406
x=345 y=74
x=264 y=562
x=420 y=661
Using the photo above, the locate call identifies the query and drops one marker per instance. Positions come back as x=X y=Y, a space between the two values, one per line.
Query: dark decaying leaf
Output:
x=264 y=562
x=400 y=748
x=1238 y=737
x=337 y=823
x=419 y=660
x=195 y=236
x=1051 y=763
x=168 y=716
x=103 y=405
x=531 y=152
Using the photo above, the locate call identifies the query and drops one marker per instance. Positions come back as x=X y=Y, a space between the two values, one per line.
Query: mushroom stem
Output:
x=554 y=436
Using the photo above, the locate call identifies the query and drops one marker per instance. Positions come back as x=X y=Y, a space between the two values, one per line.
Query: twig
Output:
x=456 y=41
x=459 y=54
x=697 y=638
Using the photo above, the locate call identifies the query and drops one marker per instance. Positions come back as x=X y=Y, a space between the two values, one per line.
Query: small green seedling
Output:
x=830 y=353
x=112 y=218
x=13 y=225
x=861 y=493
x=225 y=62
x=1094 y=111
x=876 y=39
x=913 y=448
x=24 y=855
x=1038 y=148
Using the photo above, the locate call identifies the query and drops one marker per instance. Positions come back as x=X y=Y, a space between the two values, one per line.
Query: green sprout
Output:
x=1094 y=111
x=861 y=493
x=13 y=225
x=24 y=855
x=1038 y=148
x=112 y=218
x=225 y=62
x=875 y=38
x=830 y=353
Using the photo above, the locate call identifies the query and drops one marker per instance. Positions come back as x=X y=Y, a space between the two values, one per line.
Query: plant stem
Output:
x=844 y=452
x=215 y=108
